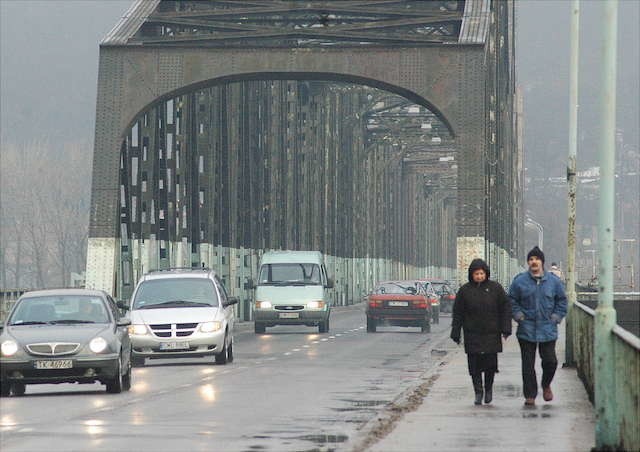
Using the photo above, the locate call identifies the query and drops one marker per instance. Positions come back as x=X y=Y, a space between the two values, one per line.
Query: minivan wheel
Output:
x=18 y=389
x=223 y=356
x=323 y=327
x=230 y=352
x=259 y=328
x=137 y=361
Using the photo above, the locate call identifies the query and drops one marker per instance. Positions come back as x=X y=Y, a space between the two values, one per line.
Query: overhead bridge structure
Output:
x=382 y=133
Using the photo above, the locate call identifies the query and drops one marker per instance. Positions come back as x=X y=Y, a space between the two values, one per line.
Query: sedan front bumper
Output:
x=196 y=344
x=84 y=369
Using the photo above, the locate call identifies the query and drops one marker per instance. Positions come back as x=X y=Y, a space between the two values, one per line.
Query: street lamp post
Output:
x=540 y=230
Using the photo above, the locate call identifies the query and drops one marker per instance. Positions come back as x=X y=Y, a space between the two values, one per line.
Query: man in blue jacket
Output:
x=538 y=304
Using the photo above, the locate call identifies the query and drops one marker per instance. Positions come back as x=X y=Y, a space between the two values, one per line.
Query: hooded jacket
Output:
x=538 y=305
x=482 y=311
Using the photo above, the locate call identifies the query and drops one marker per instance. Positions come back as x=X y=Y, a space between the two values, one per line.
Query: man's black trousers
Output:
x=547 y=352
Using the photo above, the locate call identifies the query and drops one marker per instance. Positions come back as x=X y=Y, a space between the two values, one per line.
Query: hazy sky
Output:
x=49 y=60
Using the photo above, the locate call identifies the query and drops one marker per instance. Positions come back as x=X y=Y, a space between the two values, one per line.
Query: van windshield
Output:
x=290 y=275
x=175 y=292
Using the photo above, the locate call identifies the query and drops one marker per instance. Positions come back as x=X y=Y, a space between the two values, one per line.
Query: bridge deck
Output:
x=447 y=420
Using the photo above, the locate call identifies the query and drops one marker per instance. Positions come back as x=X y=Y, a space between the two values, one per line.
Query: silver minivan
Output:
x=292 y=290
x=178 y=313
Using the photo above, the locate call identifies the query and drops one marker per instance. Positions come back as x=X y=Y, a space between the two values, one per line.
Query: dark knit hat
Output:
x=535 y=251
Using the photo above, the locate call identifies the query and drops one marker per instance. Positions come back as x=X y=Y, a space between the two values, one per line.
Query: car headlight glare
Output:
x=315 y=304
x=263 y=304
x=210 y=327
x=97 y=345
x=9 y=348
x=138 y=329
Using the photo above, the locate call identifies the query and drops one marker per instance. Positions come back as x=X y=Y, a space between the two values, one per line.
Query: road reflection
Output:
x=208 y=393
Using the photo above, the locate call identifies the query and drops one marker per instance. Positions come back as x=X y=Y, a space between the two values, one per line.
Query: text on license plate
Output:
x=174 y=345
x=289 y=315
x=57 y=364
x=398 y=303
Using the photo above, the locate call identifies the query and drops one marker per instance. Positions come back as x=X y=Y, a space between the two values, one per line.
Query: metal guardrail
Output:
x=626 y=390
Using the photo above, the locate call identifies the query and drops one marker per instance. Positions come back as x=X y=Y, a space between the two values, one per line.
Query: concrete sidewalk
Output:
x=447 y=420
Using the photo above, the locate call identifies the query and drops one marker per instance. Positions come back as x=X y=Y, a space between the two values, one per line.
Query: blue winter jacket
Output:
x=538 y=305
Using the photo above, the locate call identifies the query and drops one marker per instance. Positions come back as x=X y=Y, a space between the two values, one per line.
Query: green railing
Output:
x=626 y=390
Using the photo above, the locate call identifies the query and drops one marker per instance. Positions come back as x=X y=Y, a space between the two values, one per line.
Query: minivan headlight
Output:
x=9 y=348
x=138 y=329
x=315 y=304
x=210 y=327
x=263 y=305
x=97 y=345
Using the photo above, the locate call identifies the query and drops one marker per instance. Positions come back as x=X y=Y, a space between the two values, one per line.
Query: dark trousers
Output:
x=547 y=352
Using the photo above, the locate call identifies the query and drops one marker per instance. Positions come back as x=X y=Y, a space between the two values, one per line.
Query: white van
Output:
x=292 y=290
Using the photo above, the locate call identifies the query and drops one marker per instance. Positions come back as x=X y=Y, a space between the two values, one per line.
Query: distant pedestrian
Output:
x=539 y=304
x=482 y=310
x=556 y=271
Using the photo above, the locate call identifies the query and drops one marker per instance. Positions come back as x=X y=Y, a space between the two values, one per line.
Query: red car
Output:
x=444 y=291
x=399 y=303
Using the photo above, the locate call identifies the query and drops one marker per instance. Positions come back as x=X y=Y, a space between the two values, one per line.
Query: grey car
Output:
x=64 y=336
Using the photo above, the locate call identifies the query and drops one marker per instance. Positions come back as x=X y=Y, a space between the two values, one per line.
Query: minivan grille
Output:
x=173 y=329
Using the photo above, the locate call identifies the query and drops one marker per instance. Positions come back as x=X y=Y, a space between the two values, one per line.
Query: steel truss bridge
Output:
x=382 y=133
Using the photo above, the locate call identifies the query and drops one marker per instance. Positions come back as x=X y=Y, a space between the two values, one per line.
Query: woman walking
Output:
x=482 y=310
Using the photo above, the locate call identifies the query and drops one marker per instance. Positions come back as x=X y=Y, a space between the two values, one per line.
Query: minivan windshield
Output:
x=175 y=293
x=290 y=274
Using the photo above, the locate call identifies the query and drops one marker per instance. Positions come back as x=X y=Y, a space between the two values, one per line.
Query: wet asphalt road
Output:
x=291 y=389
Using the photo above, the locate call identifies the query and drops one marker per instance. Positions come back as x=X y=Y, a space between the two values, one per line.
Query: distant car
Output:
x=399 y=303
x=292 y=289
x=445 y=293
x=181 y=313
x=64 y=336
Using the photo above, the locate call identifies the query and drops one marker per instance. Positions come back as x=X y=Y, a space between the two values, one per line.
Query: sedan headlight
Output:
x=9 y=348
x=210 y=327
x=98 y=345
x=315 y=304
x=263 y=305
x=138 y=329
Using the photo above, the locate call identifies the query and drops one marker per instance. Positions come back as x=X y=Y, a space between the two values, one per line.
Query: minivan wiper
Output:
x=70 y=321
x=30 y=322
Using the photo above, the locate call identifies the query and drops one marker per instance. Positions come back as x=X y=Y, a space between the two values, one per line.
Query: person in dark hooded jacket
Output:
x=482 y=310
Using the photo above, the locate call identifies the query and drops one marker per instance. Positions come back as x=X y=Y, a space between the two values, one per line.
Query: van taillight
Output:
x=375 y=304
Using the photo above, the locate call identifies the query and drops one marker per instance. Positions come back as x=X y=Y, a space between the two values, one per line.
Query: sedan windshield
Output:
x=60 y=309
x=290 y=275
x=396 y=288
x=175 y=293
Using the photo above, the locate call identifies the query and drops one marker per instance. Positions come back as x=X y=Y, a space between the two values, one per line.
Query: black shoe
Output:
x=488 y=396
x=478 y=400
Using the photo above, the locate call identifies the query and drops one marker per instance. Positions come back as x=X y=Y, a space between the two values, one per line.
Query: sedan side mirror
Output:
x=124 y=322
x=329 y=284
x=122 y=305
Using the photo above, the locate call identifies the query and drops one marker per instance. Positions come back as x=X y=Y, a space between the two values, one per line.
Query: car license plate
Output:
x=57 y=364
x=174 y=345
x=398 y=303
x=289 y=315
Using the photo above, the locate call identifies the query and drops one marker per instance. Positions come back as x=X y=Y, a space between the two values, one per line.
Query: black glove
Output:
x=455 y=338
